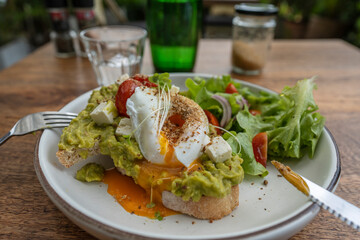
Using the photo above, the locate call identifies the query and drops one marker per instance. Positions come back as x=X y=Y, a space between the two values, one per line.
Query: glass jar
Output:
x=253 y=32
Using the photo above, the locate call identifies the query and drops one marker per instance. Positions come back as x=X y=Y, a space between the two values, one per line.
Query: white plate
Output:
x=275 y=211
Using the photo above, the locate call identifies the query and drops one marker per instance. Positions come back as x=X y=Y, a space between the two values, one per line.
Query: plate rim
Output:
x=73 y=213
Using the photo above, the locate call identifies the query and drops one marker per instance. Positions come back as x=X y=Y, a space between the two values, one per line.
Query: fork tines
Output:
x=58 y=119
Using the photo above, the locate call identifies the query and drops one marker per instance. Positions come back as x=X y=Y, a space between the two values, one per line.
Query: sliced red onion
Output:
x=226 y=109
x=245 y=102
x=242 y=102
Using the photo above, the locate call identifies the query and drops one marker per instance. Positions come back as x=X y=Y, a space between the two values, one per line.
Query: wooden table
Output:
x=42 y=82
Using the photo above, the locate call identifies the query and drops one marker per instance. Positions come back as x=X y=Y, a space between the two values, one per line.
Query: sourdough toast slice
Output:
x=71 y=157
x=211 y=208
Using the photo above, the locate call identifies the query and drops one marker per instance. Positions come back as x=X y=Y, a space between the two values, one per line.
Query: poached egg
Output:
x=170 y=129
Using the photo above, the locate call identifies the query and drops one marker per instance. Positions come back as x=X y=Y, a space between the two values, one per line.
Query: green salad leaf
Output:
x=290 y=119
x=251 y=124
x=299 y=126
x=201 y=91
x=249 y=164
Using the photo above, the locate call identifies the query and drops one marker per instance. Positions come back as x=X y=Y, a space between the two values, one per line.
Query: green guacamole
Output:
x=91 y=172
x=216 y=179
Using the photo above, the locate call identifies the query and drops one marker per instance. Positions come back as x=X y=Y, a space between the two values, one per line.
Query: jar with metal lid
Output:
x=253 y=32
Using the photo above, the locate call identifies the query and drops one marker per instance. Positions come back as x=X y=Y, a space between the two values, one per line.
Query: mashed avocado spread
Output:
x=91 y=172
x=214 y=179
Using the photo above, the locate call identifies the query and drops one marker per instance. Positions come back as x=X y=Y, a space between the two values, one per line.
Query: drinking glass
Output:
x=114 y=50
x=174 y=29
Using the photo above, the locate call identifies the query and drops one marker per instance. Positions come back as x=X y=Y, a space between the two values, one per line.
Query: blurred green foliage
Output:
x=22 y=18
x=294 y=10
x=343 y=11
x=354 y=32
x=346 y=12
x=30 y=18
x=135 y=9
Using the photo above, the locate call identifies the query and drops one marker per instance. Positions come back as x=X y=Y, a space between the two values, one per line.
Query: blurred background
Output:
x=25 y=25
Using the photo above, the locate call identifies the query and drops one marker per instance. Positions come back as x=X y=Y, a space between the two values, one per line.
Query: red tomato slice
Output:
x=140 y=77
x=126 y=89
x=254 y=112
x=213 y=120
x=177 y=119
x=144 y=79
x=230 y=88
x=259 y=144
x=149 y=84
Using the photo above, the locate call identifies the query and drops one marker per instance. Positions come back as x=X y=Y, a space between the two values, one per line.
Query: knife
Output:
x=340 y=208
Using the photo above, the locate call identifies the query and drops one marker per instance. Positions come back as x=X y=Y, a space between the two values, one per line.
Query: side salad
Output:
x=258 y=124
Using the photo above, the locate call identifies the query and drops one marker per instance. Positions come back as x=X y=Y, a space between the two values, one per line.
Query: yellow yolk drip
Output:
x=168 y=151
x=153 y=179
x=132 y=197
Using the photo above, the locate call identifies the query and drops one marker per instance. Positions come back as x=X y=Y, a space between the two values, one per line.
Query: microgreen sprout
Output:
x=150 y=205
x=128 y=138
x=158 y=216
x=164 y=102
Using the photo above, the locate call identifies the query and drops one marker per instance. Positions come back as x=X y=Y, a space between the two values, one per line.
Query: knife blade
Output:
x=339 y=207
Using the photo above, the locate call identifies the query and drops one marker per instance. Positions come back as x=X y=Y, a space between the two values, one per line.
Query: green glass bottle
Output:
x=174 y=30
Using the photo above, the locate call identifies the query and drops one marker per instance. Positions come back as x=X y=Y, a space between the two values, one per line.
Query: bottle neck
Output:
x=59 y=19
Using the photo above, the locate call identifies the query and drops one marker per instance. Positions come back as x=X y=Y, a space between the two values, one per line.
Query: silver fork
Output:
x=38 y=121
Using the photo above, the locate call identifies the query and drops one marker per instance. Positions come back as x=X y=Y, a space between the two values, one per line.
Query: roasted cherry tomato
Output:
x=126 y=89
x=213 y=120
x=259 y=144
x=177 y=119
x=149 y=84
x=230 y=88
x=140 y=77
x=254 y=112
x=144 y=79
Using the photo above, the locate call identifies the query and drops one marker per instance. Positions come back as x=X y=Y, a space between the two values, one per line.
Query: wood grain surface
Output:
x=42 y=82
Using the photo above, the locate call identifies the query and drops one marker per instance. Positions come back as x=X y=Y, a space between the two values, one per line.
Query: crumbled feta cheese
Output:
x=124 y=127
x=122 y=78
x=174 y=89
x=104 y=113
x=218 y=150
x=206 y=141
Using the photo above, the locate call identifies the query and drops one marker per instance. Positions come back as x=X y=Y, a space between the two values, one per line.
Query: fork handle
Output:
x=6 y=137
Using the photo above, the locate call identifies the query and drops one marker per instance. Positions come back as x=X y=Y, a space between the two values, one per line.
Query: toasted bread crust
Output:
x=211 y=208
x=69 y=158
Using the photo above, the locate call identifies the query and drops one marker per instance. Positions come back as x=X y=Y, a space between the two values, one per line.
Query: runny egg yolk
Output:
x=167 y=150
x=153 y=179
x=132 y=197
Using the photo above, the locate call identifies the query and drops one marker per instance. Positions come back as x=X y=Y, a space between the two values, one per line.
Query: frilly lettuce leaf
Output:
x=250 y=124
x=299 y=127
